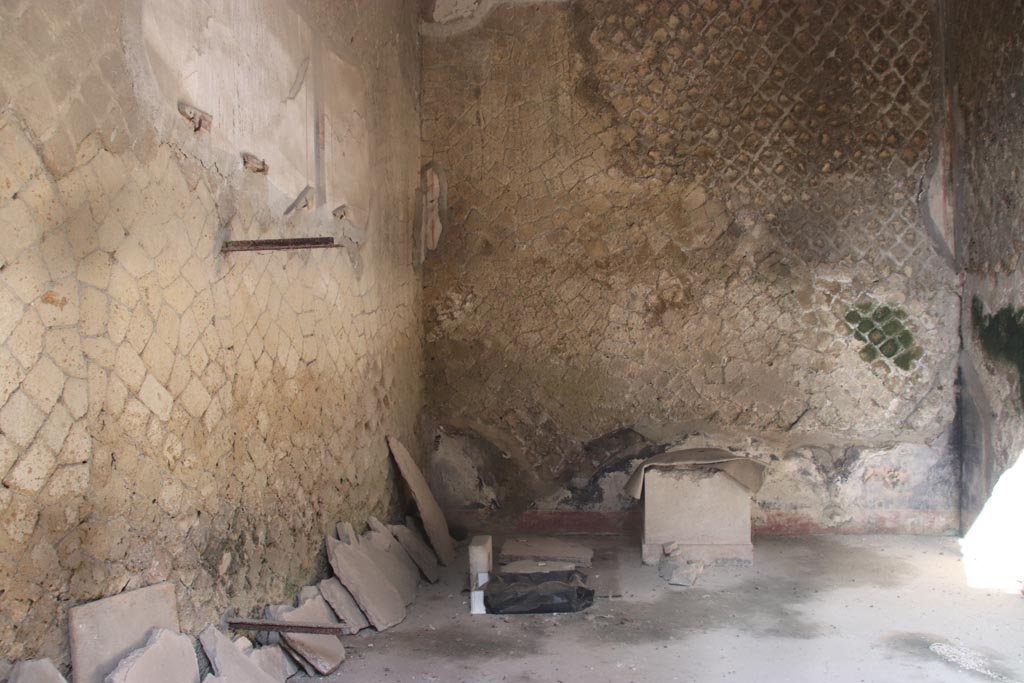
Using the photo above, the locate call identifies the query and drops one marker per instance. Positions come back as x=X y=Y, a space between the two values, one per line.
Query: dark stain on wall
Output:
x=1001 y=335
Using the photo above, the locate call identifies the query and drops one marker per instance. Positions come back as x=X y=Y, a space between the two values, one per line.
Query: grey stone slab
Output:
x=36 y=671
x=275 y=661
x=433 y=519
x=537 y=567
x=106 y=631
x=400 y=568
x=167 y=657
x=418 y=550
x=545 y=548
x=227 y=662
x=343 y=604
x=324 y=653
x=376 y=596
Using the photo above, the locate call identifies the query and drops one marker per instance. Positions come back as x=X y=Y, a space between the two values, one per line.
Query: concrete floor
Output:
x=835 y=608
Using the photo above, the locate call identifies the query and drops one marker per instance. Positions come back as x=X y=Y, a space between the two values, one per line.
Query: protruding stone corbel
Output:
x=199 y=119
x=254 y=164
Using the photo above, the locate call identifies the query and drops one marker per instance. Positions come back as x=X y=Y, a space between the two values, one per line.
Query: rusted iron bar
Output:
x=287 y=626
x=279 y=245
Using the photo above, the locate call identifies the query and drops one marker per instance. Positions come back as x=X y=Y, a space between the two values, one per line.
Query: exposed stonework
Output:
x=986 y=56
x=168 y=413
x=660 y=215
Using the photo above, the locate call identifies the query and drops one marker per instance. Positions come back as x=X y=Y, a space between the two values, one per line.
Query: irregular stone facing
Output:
x=377 y=597
x=343 y=604
x=167 y=657
x=228 y=663
x=112 y=292
x=36 y=671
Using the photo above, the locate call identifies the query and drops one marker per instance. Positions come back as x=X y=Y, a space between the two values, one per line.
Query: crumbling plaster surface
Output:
x=986 y=53
x=167 y=412
x=661 y=215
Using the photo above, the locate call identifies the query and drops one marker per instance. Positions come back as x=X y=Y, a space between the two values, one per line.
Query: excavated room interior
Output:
x=254 y=254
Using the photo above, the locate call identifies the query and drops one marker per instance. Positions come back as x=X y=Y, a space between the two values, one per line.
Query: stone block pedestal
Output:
x=701 y=514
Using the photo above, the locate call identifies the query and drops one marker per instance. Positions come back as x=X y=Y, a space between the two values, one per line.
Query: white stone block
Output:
x=481 y=554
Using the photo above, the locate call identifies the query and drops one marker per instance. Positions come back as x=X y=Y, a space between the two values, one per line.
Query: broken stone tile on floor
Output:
x=545 y=548
x=678 y=572
x=418 y=550
x=36 y=671
x=228 y=663
x=343 y=604
x=433 y=519
x=167 y=657
x=377 y=597
x=106 y=631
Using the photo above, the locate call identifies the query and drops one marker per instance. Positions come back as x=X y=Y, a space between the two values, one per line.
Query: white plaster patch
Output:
x=451 y=17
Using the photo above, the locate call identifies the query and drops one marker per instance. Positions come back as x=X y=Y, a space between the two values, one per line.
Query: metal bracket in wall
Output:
x=287 y=626
x=280 y=244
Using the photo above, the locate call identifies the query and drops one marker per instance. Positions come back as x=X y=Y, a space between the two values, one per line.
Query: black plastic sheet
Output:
x=541 y=593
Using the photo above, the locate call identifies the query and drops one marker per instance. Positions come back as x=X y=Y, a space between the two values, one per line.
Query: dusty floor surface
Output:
x=832 y=608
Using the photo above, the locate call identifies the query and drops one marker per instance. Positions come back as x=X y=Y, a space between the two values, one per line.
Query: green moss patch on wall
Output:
x=1001 y=335
x=885 y=332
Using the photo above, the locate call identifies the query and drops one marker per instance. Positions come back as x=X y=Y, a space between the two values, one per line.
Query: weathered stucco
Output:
x=168 y=412
x=699 y=218
x=986 y=57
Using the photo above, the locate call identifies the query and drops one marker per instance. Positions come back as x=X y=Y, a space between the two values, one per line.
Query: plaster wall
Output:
x=702 y=221
x=168 y=412
x=986 y=54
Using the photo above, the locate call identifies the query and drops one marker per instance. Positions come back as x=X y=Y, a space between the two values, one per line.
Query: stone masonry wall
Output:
x=168 y=413
x=986 y=53
x=699 y=219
